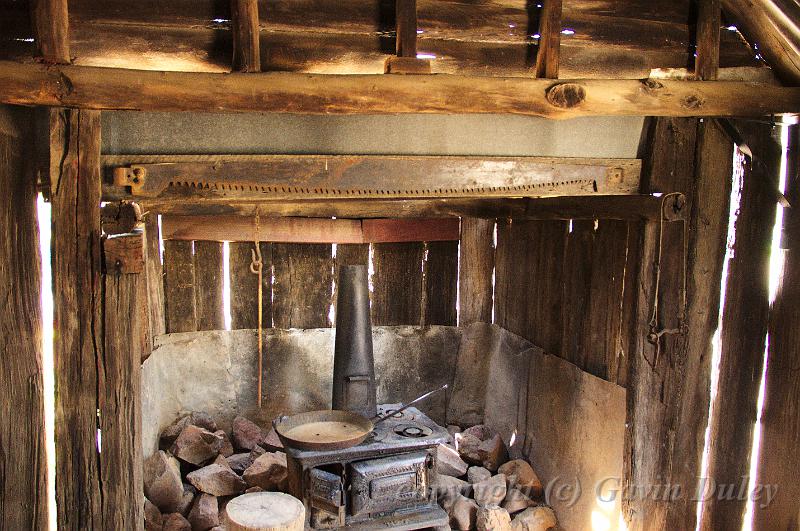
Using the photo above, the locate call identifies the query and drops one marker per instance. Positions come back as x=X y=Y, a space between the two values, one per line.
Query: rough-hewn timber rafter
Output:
x=112 y=88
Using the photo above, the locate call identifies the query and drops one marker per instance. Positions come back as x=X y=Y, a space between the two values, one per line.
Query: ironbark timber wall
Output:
x=23 y=482
x=585 y=292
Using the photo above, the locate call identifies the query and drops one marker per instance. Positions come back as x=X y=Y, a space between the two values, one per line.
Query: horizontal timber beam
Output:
x=308 y=230
x=114 y=88
x=626 y=207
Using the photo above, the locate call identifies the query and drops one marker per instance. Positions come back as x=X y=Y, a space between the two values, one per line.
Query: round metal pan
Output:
x=327 y=429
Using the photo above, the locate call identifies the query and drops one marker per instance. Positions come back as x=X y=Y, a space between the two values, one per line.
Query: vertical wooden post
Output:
x=154 y=271
x=51 y=29
x=208 y=273
x=744 y=328
x=179 y=282
x=475 y=290
x=406 y=25
x=78 y=295
x=246 y=45
x=244 y=286
x=668 y=391
x=23 y=487
x=441 y=284
x=547 y=56
x=709 y=20
x=125 y=331
x=778 y=460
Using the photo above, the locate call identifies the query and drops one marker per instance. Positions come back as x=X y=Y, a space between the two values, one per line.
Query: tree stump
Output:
x=265 y=511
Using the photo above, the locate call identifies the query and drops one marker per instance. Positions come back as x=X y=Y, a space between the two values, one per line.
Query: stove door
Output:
x=389 y=483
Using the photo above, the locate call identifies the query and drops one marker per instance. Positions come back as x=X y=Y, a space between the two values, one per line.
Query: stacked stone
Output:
x=481 y=489
x=198 y=469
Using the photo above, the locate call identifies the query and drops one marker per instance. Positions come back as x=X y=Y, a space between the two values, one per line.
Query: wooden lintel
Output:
x=707 y=37
x=307 y=230
x=629 y=208
x=245 y=30
x=115 y=88
x=547 y=55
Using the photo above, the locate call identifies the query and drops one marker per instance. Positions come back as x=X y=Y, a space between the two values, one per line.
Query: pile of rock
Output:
x=199 y=469
x=481 y=489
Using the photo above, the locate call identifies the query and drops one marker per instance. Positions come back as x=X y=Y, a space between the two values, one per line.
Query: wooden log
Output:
x=243 y=228
x=208 y=281
x=23 y=493
x=475 y=289
x=244 y=286
x=245 y=29
x=709 y=20
x=441 y=283
x=77 y=289
x=302 y=285
x=547 y=53
x=409 y=230
x=179 y=287
x=668 y=391
x=265 y=511
x=778 y=463
x=397 y=284
x=115 y=88
x=744 y=321
x=126 y=342
x=51 y=29
x=155 y=277
x=123 y=254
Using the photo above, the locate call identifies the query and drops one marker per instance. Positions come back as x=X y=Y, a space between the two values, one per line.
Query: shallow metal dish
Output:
x=327 y=429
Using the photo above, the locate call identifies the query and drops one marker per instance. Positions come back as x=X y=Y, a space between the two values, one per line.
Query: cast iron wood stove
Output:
x=384 y=482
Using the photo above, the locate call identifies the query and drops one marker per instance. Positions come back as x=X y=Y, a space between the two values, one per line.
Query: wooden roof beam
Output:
x=709 y=20
x=245 y=28
x=51 y=30
x=547 y=55
x=116 y=88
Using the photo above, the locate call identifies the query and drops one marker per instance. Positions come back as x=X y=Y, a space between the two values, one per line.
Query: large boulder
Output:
x=447 y=486
x=217 y=479
x=463 y=513
x=205 y=512
x=516 y=501
x=240 y=462
x=538 y=518
x=162 y=481
x=489 y=454
x=176 y=522
x=493 y=518
x=189 y=493
x=152 y=517
x=476 y=474
x=196 y=445
x=449 y=462
x=269 y=472
x=490 y=491
x=521 y=476
x=195 y=418
x=246 y=434
x=227 y=447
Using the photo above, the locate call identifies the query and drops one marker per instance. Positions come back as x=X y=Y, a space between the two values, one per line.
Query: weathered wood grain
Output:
x=352 y=254
x=23 y=463
x=397 y=283
x=388 y=230
x=475 y=289
x=510 y=286
x=302 y=285
x=245 y=29
x=709 y=20
x=441 y=283
x=179 y=287
x=548 y=51
x=78 y=293
x=154 y=272
x=117 y=88
x=744 y=319
x=778 y=462
x=668 y=388
x=406 y=28
x=208 y=281
x=51 y=29
x=126 y=341
x=244 y=285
